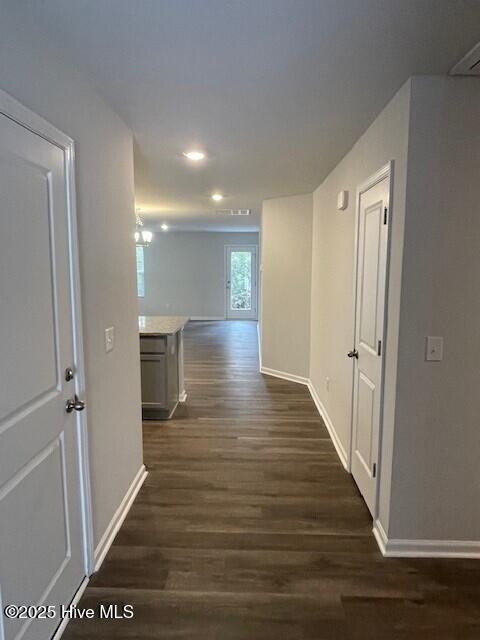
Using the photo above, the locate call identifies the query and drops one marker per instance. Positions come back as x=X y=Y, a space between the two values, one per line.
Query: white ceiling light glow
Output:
x=164 y=227
x=194 y=155
x=217 y=197
x=143 y=237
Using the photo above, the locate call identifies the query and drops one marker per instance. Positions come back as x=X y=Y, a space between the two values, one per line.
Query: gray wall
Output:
x=185 y=273
x=436 y=481
x=32 y=71
x=285 y=276
x=332 y=317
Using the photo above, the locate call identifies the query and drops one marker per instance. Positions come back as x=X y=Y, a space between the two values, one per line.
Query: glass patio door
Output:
x=241 y=282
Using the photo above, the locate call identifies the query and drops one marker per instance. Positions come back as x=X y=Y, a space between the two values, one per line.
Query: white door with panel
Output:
x=372 y=238
x=41 y=538
x=241 y=282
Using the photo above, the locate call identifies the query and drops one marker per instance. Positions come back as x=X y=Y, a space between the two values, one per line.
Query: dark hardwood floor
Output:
x=248 y=527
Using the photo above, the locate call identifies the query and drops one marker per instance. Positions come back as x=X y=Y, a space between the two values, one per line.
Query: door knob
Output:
x=75 y=404
x=353 y=354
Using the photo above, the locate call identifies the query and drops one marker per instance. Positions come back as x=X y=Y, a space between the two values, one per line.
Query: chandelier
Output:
x=143 y=237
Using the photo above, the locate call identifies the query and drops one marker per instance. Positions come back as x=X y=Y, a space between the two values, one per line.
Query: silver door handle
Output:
x=75 y=404
x=353 y=354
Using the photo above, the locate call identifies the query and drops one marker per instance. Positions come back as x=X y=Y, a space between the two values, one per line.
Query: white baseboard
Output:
x=342 y=454
x=284 y=375
x=76 y=599
x=206 y=318
x=259 y=340
x=380 y=536
x=118 y=518
x=424 y=548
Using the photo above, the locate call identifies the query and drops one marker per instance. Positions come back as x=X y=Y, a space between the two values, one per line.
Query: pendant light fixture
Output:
x=143 y=237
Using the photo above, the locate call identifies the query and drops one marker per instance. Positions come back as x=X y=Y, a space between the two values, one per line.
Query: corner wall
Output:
x=285 y=283
x=34 y=73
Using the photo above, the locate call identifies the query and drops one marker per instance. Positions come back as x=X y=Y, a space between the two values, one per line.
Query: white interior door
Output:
x=241 y=282
x=373 y=214
x=41 y=552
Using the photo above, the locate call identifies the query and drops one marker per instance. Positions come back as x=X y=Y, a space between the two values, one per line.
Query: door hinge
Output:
x=374 y=470
x=379 y=348
x=385 y=215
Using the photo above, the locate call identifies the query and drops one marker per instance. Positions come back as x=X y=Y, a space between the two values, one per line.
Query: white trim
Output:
x=76 y=599
x=375 y=178
x=284 y=375
x=23 y=116
x=259 y=341
x=118 y=517
x=206 y=318
x=79 y=363
x=424 y=548
x=342 y=454
x=182 y=397
x=380 y=535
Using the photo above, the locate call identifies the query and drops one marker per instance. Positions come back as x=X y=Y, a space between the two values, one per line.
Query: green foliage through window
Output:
x=241 y=280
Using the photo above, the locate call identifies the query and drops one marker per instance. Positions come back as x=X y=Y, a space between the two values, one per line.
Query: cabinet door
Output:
x=154 y=381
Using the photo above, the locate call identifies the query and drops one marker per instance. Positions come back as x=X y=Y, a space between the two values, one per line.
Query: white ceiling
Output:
x=275 y=91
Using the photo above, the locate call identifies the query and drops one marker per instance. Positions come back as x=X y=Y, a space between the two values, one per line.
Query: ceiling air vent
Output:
x=233 y=212
x=469 y=65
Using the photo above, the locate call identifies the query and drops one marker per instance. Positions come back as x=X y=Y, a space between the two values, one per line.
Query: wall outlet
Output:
x=109 y=339
x=327 y=383
x=434 y=349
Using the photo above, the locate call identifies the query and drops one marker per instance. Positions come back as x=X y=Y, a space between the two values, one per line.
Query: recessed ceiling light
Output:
x=196 y=156
x=217 y=197
x=164 y=227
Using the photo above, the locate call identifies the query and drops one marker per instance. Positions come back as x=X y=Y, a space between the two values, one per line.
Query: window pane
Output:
x=140 y=273
x=241 y=281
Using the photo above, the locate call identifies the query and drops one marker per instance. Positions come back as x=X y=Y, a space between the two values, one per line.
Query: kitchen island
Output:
x=161 y=362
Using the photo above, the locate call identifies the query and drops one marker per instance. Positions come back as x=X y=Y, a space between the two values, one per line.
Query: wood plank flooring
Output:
x=249 y=528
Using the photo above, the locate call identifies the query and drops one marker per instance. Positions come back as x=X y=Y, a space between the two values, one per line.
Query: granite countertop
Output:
x=161 y=325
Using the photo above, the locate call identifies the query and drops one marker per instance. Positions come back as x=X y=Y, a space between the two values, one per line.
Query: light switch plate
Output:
x=109 y=339
x=434 y=349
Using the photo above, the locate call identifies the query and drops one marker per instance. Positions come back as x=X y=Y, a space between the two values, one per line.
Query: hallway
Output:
x=248 y=527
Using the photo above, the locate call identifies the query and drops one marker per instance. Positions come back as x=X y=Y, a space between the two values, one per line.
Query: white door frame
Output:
x=248 y=247
x=23 y=116
x=384 y=172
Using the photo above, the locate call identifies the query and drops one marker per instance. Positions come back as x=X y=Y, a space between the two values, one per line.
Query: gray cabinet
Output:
x=159 y=372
